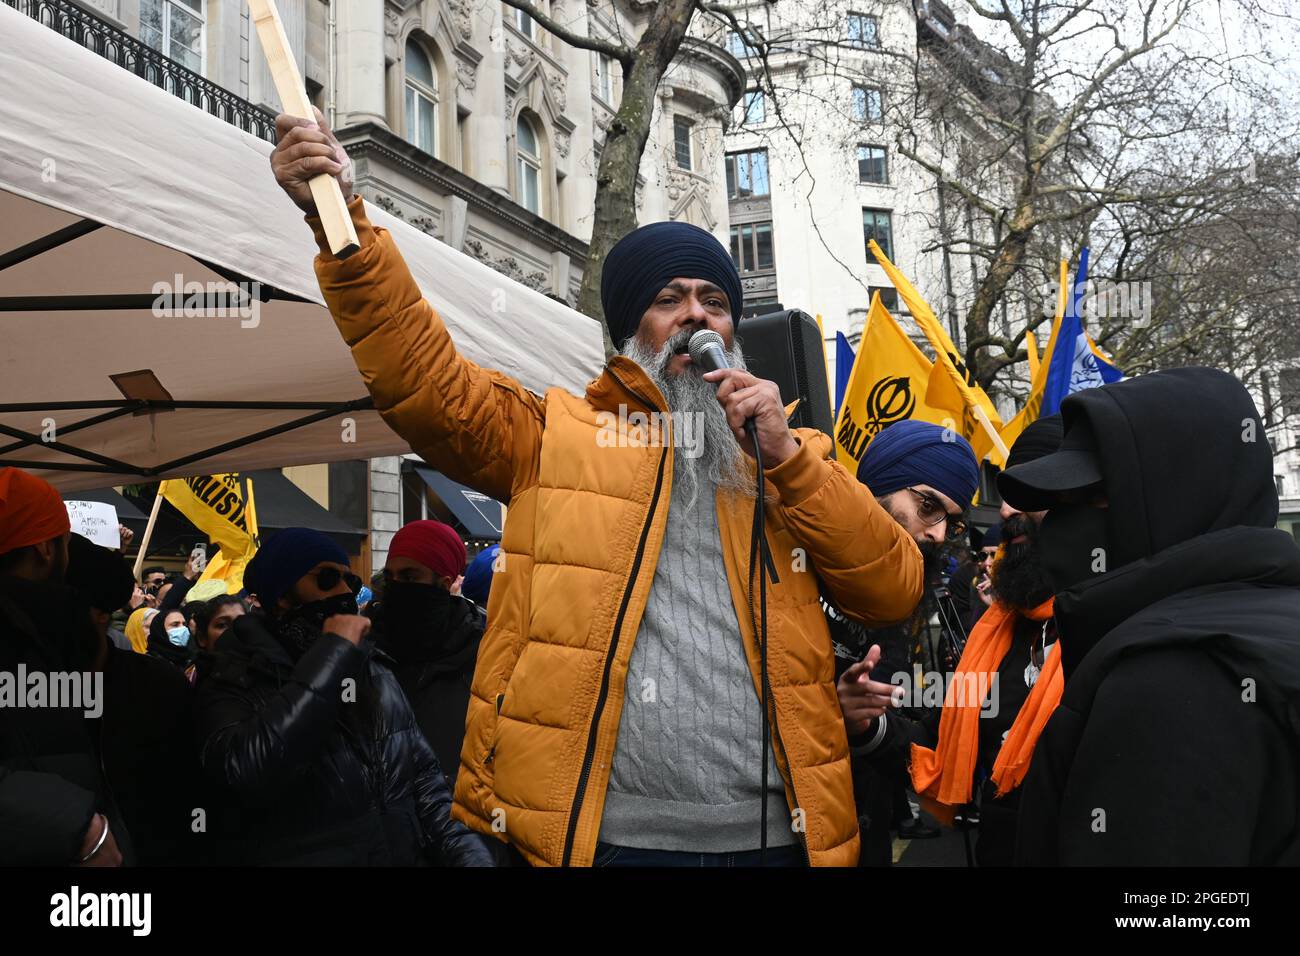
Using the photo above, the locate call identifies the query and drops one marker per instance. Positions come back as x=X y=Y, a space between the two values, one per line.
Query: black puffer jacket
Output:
x=320 y=762
x=435 y=667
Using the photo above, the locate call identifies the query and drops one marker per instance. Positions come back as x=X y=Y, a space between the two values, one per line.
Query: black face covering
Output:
x=415 y=618
x=299 y=628
x=1018 y=577
x=1074 y=544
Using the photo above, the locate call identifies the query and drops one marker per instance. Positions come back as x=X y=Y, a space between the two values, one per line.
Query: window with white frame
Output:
x=682 y=141
x=605 y=77
x=523 y=23
x=753 y=110
x=175 y=29
x=421 y=99
x=737 y=46
x=864 y=31
x=868 y=104
x=873 y=165
x=878 y=224
x=747 y=174
x=528 y=166
x=751 y=247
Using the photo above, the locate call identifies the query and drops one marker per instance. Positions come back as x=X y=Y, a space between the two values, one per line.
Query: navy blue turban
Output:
x=280 y=562
x=647 y=259
x=920 y=453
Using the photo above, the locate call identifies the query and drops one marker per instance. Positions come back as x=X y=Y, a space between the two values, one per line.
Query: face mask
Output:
x=180 y=636
x=1074 y=545
x=300 y=627
x=414 y=617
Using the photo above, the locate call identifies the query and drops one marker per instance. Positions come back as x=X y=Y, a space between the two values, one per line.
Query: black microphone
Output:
x=708 y=351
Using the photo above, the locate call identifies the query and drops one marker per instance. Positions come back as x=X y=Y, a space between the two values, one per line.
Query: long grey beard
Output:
x=714 y=461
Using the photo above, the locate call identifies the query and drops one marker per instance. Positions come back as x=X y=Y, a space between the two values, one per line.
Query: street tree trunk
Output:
x=620 y=161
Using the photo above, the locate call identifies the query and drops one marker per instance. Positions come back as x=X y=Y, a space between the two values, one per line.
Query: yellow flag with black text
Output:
x=888 y=383
x=220 y=507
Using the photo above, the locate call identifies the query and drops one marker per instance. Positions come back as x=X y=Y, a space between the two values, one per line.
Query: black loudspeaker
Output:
x=786 y=347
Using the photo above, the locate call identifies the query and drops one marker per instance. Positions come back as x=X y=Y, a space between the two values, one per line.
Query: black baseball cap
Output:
x=1038 y=485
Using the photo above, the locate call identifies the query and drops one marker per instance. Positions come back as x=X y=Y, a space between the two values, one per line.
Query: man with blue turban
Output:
x=617 y=714
x=925 y=477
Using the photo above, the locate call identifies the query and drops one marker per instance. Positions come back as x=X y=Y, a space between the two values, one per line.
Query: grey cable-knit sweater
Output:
x=686 y=773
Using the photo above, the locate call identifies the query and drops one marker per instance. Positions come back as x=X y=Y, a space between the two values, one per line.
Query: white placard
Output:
x=95 y=520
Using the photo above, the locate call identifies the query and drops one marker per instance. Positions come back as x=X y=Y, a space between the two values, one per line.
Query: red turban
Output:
x=435 y=545
x=31 y=511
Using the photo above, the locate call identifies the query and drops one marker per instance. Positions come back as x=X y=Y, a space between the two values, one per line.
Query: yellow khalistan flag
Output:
x=951 y=384
x=216 y=505
x=888 y=383
x=1038 y=379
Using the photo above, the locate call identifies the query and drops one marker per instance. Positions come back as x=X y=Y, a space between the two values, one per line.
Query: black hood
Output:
x=1183 y=453
x=1188 y=476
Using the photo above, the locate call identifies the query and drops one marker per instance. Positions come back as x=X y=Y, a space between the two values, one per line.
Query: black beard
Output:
x=933 y=558
x=1018 y=578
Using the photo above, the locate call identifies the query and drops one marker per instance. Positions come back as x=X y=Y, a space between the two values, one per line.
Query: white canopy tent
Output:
x=108 y=186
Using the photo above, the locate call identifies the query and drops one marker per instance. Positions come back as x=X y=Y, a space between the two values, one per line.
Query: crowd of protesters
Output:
x=684 y=660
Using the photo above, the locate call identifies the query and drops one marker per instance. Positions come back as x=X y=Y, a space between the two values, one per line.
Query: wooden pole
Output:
x=983 y=418
x=148 y=530
x=330 y=205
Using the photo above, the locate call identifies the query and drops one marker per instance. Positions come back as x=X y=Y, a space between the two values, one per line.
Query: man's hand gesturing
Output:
x=305 y=150
x=862 y=699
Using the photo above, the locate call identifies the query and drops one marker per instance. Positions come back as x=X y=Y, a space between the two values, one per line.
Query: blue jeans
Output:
x=607 y=854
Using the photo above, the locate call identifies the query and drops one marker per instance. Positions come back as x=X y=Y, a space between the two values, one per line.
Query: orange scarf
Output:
x=944 y=775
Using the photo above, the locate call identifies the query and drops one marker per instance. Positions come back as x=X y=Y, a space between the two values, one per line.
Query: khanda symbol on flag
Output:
x=893 y=380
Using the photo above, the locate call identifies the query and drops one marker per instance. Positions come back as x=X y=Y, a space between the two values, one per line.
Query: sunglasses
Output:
x=931 y=511
x=327 y=579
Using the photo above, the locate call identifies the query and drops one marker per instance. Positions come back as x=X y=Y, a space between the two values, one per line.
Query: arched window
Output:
x=421 y=99
x=528 y=166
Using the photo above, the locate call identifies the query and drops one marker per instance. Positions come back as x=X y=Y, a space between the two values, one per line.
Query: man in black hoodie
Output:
x=1177 y=602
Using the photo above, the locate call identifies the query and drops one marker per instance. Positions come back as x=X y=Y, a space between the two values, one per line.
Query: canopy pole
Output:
x=148 y=530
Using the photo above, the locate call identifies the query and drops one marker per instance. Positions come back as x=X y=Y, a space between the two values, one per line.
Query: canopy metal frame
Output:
x=95 y=462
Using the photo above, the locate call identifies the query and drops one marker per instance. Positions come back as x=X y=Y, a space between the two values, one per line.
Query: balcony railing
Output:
x=100 y=36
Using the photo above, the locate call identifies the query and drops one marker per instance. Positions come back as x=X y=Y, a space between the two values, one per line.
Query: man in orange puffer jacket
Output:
x=614 y=715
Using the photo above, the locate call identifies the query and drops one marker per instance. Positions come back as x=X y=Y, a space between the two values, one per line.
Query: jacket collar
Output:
x=623 y=382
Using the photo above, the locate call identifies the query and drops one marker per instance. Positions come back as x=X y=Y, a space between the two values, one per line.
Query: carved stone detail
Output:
x=508 y=266
x=466 y=74
x=426 y=225
x=387 y=204
x=559 y=89
x=464 y=17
